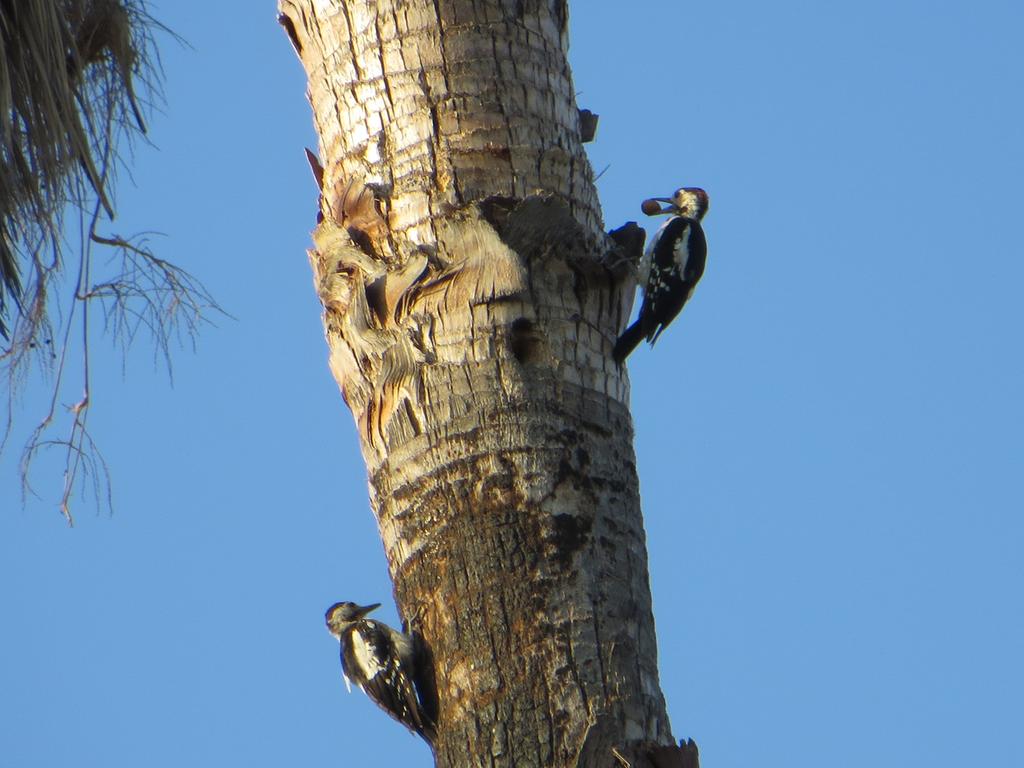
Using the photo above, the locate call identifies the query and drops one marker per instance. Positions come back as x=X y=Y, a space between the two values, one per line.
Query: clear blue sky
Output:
x=829 y=438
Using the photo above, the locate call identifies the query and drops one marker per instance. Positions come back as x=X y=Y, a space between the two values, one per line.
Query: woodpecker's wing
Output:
x=386 y=682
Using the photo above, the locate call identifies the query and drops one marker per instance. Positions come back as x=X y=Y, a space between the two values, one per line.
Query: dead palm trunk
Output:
x=471 y=301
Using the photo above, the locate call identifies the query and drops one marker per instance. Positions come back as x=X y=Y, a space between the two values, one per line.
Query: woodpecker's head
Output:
x=691 y=202
x=341 y=615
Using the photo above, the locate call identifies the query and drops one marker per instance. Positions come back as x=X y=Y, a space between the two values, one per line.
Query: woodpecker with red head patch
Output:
x=385 y=663
x=671 y=266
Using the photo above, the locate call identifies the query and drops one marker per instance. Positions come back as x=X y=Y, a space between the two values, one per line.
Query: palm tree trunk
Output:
x=471 y=300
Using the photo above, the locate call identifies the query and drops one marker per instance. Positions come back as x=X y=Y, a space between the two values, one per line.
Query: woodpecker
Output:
x=671 y=266
x=385 y=663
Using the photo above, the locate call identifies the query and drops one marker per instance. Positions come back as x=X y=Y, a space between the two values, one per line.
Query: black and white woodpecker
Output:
x=671 y=266
x=385 y=663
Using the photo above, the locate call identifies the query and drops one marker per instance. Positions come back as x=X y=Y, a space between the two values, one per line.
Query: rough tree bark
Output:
x=471 y=299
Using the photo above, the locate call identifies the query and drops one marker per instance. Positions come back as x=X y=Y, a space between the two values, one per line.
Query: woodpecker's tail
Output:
x=426 y=688
x=428 y=732
x=628 y=341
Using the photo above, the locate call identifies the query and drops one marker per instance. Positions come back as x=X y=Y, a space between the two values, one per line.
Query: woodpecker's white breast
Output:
x=404 y=648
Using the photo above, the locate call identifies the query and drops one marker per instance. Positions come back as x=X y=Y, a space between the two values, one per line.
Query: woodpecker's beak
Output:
x=362 y=610
x=671 y=205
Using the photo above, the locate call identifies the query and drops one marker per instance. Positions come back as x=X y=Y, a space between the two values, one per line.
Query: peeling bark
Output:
x=471 y=301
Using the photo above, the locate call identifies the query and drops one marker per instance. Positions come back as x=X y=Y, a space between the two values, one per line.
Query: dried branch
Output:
x=76 y=77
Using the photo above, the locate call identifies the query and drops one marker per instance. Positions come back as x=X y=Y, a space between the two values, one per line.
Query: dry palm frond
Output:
x=66 y=91
x=71 y=75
